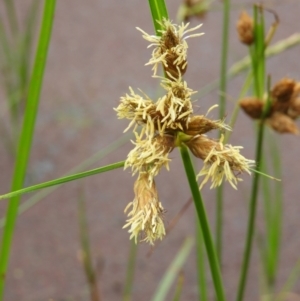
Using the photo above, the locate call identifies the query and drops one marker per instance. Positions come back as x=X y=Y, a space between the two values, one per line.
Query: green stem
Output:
x=222 y=108
x=252 y=214
x=201 y=213
x=26 y=136
x=201 y=266
x=130 y=271
x=159 y=12
x=258 y=69
x=62 y=180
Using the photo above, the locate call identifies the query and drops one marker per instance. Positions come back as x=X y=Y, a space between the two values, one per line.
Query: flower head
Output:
x=175 y=107
x=146 y=213
x=150 y=155
x=170 y=47
x=284 y=108
x=220 y=161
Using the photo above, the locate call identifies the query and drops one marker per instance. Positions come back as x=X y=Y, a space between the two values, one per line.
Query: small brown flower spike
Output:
x=244 y=28
x=170 y=47
x=220 y=161
x=146 y=215
x=285 y=106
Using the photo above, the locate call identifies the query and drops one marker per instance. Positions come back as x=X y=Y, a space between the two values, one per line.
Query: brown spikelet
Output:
x=175 y=70
x=282 y=123
x=199 y=125
x=283 y=90
x=252 y=106
x=244 y=28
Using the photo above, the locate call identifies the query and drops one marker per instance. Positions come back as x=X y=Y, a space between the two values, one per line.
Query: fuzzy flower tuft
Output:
x=150 y=155
x=220 y=161
x=146 y=215
x=170 y=47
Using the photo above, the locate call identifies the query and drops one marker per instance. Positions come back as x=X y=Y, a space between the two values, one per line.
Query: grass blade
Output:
x=25 y=141
x=63 y=180
x=130 y=271
x=222 y=109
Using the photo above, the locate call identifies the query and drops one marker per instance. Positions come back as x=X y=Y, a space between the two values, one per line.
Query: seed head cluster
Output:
x=168 y=122
x=284 y=107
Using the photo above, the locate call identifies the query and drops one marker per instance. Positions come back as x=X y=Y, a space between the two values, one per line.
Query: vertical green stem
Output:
x=26 y=137
x=159 y=12
x=222 y=108
x=202 y=217
x=252 y=215
x=258 y=68
x=130 y=271
x=201 y=267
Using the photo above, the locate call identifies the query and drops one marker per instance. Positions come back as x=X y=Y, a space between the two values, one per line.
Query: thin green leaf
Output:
x=222 y=109
x=130 y=271
x=159 y=12
x=64 y=180
x=26 y=136
x=201 y=266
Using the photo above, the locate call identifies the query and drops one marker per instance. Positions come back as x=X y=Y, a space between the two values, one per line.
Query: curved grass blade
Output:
x=26 y=137
x=63 y=180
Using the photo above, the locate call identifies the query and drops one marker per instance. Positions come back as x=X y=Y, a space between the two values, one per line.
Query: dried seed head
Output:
x=200 y=124
x=220 y=161
x=244 y=28
x=170 y=47
x=138 y=109
x=150 y=155
x=283 y=90
x=146 y=215
x=282 y=123
x=175 y=107
x=252 y=106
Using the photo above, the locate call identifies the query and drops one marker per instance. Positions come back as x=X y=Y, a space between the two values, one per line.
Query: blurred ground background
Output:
x=95 y=54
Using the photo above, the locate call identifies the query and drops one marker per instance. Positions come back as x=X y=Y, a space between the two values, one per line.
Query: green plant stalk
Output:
x=200 y=253
x=26 y=136
x=130 y=271
x=222 y=108
x=258 y=65
x=62 y=180
x=252 y=214
x=159 y=12
x=273 y=213
x=87 y=259
x=201 y=213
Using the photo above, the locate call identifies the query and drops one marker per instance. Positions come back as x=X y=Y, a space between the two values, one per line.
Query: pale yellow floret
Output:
x=164 y=48
x=224 y=161
x=148 y=156
x=146 y=215
x=175 y=107
x=139 y=110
